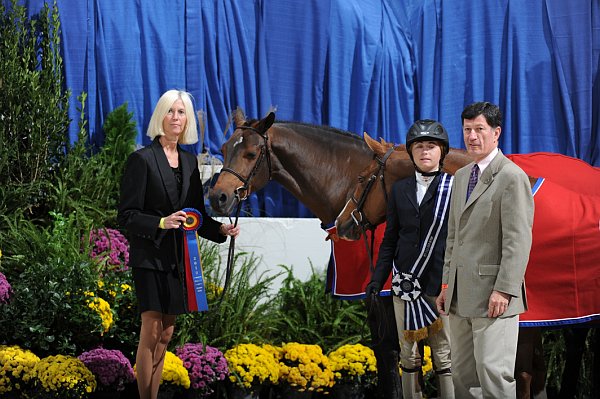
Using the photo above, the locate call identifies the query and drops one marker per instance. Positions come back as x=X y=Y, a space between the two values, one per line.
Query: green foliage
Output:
x=90 y=183
x=304 y=313
x=33 y=107
x=243 y=314
x=49 y=269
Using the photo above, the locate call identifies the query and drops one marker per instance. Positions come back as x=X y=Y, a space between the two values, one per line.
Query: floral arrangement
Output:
x=205 y=365
x=251 y=365
x=5 y=289
x=16 y=366
x=110 y=247
x=305 y=367
x=63 y=377
x=174 y=375
x=353 y=364
x=110 y=367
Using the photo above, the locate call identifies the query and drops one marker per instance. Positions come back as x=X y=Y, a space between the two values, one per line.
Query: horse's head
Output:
x=246 y=163
x=367 y=204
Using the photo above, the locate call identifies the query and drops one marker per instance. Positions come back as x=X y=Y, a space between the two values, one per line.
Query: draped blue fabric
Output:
x=372 y=66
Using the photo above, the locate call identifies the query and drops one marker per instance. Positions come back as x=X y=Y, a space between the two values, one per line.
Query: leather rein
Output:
x=245 y=188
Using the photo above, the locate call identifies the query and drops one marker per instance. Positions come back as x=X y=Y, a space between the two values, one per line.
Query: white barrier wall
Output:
x=294 y=242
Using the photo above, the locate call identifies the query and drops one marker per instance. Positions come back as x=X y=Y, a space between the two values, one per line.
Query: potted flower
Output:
x=354 y=368
x=16 y=368
x=175 y=378
x=5 y=289
x=205 y=365
x=303 y=368
x=63 y=377
x=111 y=369
x=250 y=367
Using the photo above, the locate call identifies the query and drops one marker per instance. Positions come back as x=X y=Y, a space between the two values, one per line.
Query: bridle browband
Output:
x=357 y=214
x=264 y=153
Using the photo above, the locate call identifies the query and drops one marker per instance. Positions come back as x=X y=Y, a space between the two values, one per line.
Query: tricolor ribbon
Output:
x=194 y=278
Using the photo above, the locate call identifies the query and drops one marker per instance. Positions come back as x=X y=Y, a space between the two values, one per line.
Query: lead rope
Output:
x=231 y=251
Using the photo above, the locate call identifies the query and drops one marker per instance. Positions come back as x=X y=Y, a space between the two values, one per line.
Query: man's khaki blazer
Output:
x=489 y=239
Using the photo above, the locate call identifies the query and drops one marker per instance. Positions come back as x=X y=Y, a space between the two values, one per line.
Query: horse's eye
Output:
x=251 y=155
x=361 y=179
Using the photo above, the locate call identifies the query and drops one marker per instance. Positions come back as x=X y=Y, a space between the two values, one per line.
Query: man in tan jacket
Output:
x=488 y=244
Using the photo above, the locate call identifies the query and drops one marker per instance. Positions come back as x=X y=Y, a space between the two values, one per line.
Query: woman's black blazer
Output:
x=148 y=193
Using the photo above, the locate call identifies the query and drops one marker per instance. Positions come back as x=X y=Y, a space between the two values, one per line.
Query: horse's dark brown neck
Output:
x=317 y=165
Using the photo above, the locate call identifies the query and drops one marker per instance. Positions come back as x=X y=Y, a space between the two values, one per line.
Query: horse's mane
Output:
x=329 y=129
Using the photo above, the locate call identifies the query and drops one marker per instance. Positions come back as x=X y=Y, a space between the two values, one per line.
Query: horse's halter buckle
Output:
x=264 y=152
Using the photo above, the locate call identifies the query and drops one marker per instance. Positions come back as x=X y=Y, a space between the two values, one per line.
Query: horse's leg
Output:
x=385 y=344
x=538 y=381
x=574 y=346
x=596 y=362
x=524 y=368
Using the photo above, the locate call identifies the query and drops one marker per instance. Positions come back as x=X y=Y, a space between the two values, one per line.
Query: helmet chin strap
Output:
x=434 y=173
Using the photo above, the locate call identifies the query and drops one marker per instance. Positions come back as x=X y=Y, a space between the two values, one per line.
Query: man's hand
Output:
x=498 y=303
x=440 y=301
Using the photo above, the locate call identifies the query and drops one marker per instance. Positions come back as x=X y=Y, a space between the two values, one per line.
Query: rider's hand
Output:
x=373 y=288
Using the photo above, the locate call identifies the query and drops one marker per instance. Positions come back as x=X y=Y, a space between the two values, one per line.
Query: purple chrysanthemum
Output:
x=5 y=289
x=110 y=367
x=205 y=365
x=110 y=246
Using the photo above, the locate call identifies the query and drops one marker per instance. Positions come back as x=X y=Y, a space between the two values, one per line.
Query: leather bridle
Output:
x=264 y=153
x=358 y=214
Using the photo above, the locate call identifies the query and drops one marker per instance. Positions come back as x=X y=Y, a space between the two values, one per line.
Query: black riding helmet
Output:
x=426 y=130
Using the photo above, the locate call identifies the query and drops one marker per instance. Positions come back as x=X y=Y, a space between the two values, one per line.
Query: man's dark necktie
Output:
x=472 y=180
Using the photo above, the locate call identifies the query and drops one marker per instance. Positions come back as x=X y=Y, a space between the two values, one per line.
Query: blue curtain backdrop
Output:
x=372 y=66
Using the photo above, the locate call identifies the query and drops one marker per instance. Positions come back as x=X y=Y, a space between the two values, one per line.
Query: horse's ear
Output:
x=238 y=117
x=372 y=143
x=266 y=123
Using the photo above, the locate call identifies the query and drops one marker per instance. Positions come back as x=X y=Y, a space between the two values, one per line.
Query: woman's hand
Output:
x=173 y=221
x=230 y=230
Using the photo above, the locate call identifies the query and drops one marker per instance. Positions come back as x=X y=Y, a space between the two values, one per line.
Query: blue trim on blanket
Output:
x=537 y=185
x=561 y=322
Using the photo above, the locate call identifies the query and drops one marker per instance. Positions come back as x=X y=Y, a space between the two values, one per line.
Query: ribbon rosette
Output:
x=194 y=277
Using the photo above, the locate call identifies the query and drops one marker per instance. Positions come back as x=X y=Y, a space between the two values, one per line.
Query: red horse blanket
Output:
x=563 y=275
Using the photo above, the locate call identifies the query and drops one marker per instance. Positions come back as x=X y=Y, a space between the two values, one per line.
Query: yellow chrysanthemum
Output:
x=305 y=367
x=102 y=307
x=174 y=372
x=427 y=363
x=353 y=363
x=16 y=367
x=67 y=376
x=251 y=365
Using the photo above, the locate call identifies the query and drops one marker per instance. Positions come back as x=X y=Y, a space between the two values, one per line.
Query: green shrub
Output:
x=33 y=108
x=89 y=183
x=49 y=269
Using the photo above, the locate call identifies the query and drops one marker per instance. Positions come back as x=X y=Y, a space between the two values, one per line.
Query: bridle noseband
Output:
x=357 y=214
x=264 y=153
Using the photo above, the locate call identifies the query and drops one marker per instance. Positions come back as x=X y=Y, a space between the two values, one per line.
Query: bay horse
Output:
x=318 y=165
